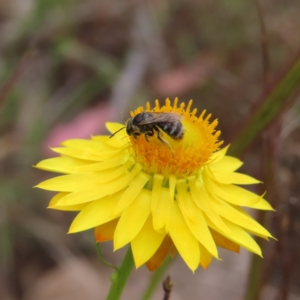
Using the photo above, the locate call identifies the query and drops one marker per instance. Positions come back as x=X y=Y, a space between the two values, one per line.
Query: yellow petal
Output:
x=204 y=201
x=238 y=235
x=156 y=191
x=95 y=214
x=233 y=178
x=184 y=241
x=262 y=204
x=75 y=198
x=225 y=243
x=251 y=231
x=70 y=183
x=119 y=140
x=157 y=259
x=58 y=197
x=105 y=232
x=230 y=213
x=75 y=207
x=87 y=155
x=108 y=175
x=132 y=219
x=227 y=163
x=205 y=257
x=194 y=219
x=89 y=145
x=119 y=137
x=172 y=185
x=111 y=174
x=146 y=243
x=162 y=210
x=200 y=196
x=129 y=176
x=219 y=154
x=104 y=165
x=100 y=138
x=231 y=193
x=242 y=238
x=113 y=127
x=133 y=190
x=64 y=165
x=97 y=191
x=105 y=180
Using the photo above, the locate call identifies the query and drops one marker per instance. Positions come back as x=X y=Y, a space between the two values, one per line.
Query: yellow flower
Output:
x=179 y=196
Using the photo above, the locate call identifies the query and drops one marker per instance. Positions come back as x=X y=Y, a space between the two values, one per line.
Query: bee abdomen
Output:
x=174 y=130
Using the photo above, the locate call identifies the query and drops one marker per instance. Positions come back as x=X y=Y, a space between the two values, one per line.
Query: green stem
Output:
x=120 y=277
x=100 y=256
x=156 y=278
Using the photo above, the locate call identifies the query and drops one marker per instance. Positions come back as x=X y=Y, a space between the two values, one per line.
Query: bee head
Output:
x=129 y=126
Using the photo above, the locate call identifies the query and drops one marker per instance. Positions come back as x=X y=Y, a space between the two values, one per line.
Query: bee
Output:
x=151 y=123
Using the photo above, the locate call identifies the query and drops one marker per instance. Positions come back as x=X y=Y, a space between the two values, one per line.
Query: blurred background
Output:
x=68 y=66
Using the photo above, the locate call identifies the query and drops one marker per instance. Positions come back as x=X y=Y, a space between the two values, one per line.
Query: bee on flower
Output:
x=149 y=123
x=162 y=184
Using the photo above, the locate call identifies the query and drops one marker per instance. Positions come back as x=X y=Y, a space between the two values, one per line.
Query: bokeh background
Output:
x=68 y=66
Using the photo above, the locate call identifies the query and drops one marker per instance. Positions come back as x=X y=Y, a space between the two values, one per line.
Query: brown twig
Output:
x=167 y=286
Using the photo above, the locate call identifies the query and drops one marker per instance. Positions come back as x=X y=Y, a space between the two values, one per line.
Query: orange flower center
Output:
x=179 y=157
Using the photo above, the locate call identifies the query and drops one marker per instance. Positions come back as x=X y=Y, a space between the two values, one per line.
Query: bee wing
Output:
x=160 y=117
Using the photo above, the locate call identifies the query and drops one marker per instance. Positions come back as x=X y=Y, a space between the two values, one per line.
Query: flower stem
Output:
x=120 y=277
x=100 y=256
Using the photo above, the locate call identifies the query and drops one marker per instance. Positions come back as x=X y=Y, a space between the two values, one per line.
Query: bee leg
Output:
x=136 y=134
x=149 y=132
x=165 y=142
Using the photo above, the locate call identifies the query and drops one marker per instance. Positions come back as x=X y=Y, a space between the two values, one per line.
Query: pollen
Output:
x=182 y=157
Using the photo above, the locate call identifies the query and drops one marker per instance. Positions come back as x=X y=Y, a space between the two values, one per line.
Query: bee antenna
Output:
x=116 y=132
